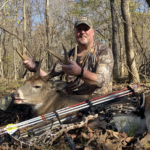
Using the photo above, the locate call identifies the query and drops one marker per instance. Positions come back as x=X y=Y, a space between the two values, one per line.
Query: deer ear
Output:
x=58 y=85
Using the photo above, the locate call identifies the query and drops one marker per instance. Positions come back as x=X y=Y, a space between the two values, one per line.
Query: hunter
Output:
x=92 y=71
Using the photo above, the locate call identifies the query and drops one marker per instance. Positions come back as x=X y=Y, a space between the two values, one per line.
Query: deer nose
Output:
x=15 y=95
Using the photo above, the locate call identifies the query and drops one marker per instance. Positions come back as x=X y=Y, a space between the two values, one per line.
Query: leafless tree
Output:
x=133 y=72
x=114 y=40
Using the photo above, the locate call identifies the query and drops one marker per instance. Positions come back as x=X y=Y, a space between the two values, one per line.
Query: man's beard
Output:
x=83 y=43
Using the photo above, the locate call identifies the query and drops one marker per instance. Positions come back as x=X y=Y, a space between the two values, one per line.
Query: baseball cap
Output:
x=83 y=20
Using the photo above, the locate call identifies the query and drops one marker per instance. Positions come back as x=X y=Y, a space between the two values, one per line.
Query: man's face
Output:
x=84 y=34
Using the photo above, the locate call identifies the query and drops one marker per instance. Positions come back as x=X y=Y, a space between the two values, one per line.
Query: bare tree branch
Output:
x=17 y=38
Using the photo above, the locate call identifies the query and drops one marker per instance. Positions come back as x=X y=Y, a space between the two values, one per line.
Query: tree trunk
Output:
x=24 y=27
x=24 y=24
x=4 y=56
x=1 y=65
x=132 y=69
x=29 y=30
x=148 y=2
x=121 y=59
x=114 y=40
x=50 y=58
x=15 y=66
x=4 y=49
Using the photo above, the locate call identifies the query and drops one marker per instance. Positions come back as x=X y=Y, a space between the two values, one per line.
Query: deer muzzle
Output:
x=17 y=98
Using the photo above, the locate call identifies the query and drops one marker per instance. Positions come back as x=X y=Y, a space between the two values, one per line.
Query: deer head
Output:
x=37 y=89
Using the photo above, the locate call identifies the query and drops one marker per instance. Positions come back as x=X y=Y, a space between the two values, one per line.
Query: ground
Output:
x=84 y=138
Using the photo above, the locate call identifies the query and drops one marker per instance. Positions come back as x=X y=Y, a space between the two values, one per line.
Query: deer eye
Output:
x=37 y=87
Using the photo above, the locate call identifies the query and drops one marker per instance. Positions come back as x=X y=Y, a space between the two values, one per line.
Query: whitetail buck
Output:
x=46 y=95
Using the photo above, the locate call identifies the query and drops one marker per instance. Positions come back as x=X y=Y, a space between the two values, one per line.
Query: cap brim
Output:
x=79 y=23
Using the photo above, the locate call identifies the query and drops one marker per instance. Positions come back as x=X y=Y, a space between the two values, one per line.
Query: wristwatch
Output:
x=81 y=74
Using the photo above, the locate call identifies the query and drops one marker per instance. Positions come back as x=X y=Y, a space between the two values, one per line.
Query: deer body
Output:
x=46 y=96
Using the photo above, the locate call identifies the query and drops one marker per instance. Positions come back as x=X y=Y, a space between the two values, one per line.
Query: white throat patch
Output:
x=37 y=106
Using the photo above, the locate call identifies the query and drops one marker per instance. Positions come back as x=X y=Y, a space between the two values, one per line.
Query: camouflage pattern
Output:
x=98 y=60
x=83 y=20
x=6 y=103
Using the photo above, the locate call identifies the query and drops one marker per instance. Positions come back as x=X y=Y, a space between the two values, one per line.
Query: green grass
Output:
x=7 y=87
x=132 y=126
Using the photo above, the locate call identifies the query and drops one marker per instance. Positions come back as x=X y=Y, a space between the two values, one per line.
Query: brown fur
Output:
x=36 y=90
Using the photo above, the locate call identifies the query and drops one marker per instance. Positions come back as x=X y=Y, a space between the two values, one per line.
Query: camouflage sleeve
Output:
x=104 y=67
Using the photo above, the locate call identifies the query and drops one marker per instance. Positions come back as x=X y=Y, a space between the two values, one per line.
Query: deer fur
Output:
x=46 y=96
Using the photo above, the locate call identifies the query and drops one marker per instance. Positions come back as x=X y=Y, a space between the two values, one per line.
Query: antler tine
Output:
x=66 y=55
x=23 y=49
x=39 y=64
x=65 y=61
x=35 y=54
x=17 y=38
x=24 y=57
x=38 y=68
x=52 y=74
x=56 y=56
x=75 y=53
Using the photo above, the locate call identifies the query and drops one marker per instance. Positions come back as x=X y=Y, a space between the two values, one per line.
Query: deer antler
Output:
x=75 y=54
x=19 y=39
x=23 y=56
x=52 y=74
x=66 y=55
x=65 y=61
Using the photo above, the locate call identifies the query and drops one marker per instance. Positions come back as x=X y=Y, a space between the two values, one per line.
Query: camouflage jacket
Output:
x=98 y=60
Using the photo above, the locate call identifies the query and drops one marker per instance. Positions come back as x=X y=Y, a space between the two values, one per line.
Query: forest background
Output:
x=35 y=26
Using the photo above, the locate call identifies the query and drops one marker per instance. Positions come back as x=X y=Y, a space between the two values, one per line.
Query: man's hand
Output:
x=29 y=64
x=72 y=69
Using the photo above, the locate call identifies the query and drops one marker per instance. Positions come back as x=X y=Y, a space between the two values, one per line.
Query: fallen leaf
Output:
x=73 y=136
x=115 y=134
x=85 y=135
x=89 y=129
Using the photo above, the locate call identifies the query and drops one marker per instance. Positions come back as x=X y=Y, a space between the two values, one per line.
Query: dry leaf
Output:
x=89 y=129
x=85 y=135
x=73 y=136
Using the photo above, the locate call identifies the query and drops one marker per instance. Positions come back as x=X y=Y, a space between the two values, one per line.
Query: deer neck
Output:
x=36 y=107
x=47 y=105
